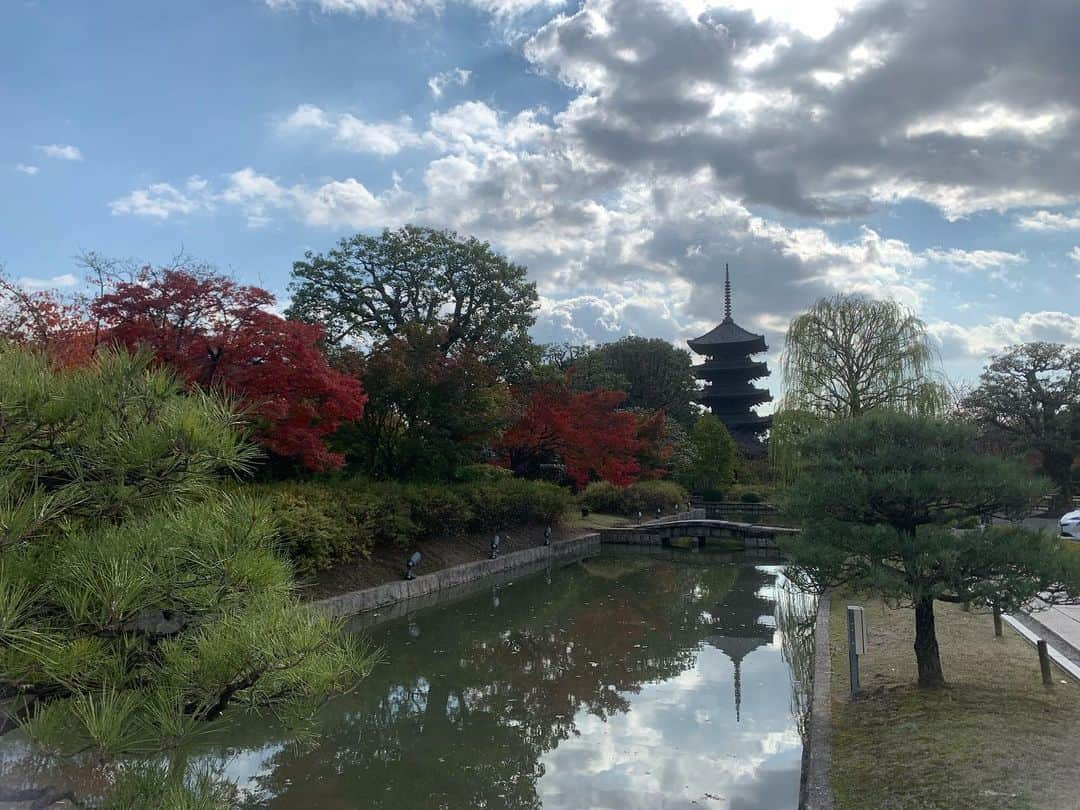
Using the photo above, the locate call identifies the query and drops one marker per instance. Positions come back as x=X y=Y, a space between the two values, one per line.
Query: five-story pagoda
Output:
x=729 y=372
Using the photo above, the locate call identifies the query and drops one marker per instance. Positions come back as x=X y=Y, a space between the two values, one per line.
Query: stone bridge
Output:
x=700 y=530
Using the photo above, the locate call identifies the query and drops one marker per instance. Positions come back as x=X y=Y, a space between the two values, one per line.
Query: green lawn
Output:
x=595 y=520
x=994 y=738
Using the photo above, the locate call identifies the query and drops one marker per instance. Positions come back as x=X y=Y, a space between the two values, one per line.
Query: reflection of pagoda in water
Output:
x=737 y=622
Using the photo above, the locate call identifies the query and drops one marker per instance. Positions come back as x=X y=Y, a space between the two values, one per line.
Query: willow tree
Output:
x=849 y=354
x=139 y=604
x=845 y=356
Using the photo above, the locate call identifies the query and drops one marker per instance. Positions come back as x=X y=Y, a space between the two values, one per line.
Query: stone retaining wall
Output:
x=816 y=788
x=349 y=604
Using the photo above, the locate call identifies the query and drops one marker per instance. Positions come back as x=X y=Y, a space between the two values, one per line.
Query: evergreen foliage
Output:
x=1028 y=398
x=879 y=497
x=140 y=604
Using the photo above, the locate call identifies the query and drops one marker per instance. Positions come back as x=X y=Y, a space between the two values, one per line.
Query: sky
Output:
x=623 y=150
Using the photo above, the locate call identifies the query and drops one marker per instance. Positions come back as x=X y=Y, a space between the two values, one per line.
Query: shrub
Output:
x=750 y=497
x=648 y=496
x=644 y=496
x=324 y=524
x=603 y=496
x=437 y=509
x=482 y=472
x=317 y=527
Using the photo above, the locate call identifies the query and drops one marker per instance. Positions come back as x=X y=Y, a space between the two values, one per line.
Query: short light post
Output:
x=547 y=536
x=410 y=566
x=856 y=631
x=495 y=546
x=639 y=516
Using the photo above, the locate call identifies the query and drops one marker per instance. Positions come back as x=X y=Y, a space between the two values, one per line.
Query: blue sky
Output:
x=622 y=151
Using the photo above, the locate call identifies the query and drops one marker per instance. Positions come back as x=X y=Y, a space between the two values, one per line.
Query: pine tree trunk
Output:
x=926 y=646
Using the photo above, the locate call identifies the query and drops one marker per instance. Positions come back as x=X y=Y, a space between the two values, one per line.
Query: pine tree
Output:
x=139 y=602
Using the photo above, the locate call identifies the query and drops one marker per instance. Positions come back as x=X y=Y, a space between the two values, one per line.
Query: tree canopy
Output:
x=1029 y=399
x=585 y=433
x=878 y=497
x=709 y=463
x=849 y=354
x=371 y=289
x=427 y=414
x=654 y=374
x=220 y=335
x=138 y=602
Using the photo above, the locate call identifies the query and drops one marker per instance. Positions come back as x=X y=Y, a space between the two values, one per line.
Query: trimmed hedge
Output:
x=323 y=524
x=644 y=496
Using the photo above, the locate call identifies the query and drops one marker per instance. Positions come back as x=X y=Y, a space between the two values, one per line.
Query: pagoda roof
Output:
x=728 y=334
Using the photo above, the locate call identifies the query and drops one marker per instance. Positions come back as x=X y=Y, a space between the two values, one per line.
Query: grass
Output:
x=995 y=737
x=595 y=520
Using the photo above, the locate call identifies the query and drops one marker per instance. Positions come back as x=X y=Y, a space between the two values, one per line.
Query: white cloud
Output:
x=1074 y=254
x=991 y=119
x=440 y=81
x=408 y=10
x=352 y=133
x=26 y=169
x=60 y=151
x=304 y=117
x=258 y=197
x=163 y=200
x=64 y=280
x=1049 y=221
x=967 y=260
x=989 y=338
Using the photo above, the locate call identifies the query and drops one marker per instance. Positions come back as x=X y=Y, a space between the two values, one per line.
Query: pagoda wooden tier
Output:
x=729 y=372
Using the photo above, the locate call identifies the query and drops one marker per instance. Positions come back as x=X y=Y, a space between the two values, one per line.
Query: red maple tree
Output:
x=584 y=431
x=42 y=319
x=219 y=334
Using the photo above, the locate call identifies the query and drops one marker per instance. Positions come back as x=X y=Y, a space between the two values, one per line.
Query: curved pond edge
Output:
x=391 y=593
x=816 y=789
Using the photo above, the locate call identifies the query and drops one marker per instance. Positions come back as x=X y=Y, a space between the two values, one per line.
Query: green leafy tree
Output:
x=849 y=354
x=877 y=496
x=371 y=289
x=654 y=374
x=1029 y=399
x=139 y=604
x=709 y=462
x=427 y=414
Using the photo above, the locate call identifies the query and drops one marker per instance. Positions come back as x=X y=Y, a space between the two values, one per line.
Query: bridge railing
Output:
x=686 y=514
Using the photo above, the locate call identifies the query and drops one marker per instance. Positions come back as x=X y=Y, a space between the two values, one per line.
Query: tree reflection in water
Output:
x=475 y=693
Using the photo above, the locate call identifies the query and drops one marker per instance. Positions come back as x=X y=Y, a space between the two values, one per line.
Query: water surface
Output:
x=620 y=681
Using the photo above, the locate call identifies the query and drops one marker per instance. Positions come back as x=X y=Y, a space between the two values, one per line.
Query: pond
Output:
x=618 y=681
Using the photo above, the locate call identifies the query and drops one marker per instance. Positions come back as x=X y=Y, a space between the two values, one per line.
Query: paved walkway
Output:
x=1059 y=625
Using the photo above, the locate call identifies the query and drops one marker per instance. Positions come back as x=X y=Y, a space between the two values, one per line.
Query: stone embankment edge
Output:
x=816 y=789
x=1032 y=634
x=362 y=601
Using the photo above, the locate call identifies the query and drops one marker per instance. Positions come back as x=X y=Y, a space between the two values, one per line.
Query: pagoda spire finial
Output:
x=727 y=293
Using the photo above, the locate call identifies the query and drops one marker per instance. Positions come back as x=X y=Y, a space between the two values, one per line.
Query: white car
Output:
x=1070 y=524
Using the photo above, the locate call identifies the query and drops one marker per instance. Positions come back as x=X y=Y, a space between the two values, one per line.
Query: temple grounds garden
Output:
x=183 y=470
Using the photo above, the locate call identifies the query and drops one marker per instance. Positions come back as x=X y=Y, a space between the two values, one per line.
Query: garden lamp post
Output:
x=411 y=565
